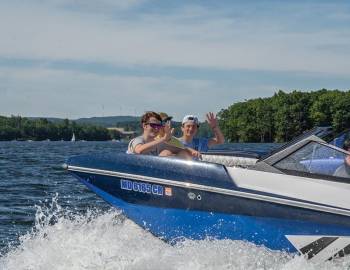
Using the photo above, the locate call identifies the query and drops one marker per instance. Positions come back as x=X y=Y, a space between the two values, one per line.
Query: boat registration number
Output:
x=142 y=187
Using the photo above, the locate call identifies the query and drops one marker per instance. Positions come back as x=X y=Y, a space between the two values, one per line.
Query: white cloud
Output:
x=112 y=32
x=187 y=38
x=107 y=4
x=84 y=5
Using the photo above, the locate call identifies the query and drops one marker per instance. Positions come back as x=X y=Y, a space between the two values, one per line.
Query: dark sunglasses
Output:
x=155 y=126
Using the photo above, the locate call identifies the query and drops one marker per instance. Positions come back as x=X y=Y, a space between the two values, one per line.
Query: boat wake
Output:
x=62 y=239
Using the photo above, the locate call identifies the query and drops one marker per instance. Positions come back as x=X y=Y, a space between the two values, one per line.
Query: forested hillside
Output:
x=285 y=115
x=275 y=119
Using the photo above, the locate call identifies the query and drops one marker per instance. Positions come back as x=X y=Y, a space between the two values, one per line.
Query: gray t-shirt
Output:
x=140 y=140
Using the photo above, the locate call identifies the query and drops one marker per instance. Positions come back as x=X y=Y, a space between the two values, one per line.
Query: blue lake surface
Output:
x=47 y=215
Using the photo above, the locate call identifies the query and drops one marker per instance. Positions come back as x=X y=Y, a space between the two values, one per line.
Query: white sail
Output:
x=73 y=138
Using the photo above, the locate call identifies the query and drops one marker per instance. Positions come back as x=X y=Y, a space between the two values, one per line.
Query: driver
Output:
x=344 y=169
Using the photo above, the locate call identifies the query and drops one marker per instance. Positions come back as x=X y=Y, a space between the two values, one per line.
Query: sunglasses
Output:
x=155 y=126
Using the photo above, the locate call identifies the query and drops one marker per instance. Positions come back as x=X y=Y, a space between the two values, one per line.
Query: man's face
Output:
x=152 y=127
x=189 y=129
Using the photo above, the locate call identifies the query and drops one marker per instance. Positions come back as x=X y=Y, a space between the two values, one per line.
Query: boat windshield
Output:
x=316 y=158
x=340 y=139
x=325 y=133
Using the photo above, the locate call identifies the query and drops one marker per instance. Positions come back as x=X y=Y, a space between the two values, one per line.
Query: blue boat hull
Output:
x=174 y=200
x=174 y=224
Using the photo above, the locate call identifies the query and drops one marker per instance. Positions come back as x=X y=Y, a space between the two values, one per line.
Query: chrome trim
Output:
x=259 y=197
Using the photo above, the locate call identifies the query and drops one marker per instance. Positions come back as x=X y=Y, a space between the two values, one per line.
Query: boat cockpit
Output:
x=316 y=153
x=312 y=158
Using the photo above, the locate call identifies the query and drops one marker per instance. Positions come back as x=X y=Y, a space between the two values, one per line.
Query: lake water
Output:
x=48 y=220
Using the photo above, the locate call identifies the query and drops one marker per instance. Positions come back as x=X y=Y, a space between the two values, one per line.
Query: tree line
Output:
x=285 y=115
x=274 y=119
x=21 y=128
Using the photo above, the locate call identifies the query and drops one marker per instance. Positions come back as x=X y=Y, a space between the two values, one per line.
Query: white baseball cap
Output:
x=190 y=119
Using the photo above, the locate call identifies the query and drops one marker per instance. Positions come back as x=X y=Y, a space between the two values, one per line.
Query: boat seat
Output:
x=229 y=161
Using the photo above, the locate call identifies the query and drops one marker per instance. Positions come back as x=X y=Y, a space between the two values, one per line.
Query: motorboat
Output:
x=290 y=199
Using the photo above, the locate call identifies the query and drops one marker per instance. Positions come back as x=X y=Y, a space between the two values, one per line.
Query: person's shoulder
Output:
x=135 y=141
x=138 y=140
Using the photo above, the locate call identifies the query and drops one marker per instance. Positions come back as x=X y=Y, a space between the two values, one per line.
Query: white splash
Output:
x=95 y=240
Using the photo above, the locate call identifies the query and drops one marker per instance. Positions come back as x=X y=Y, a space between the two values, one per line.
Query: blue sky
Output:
x=81 y=58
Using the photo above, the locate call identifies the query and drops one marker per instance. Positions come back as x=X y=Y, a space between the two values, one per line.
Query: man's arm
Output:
x=193 y=153
x=218 y=136
x=141 y=148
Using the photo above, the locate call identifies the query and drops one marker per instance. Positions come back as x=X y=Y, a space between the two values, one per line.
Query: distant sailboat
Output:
x=73 y=138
